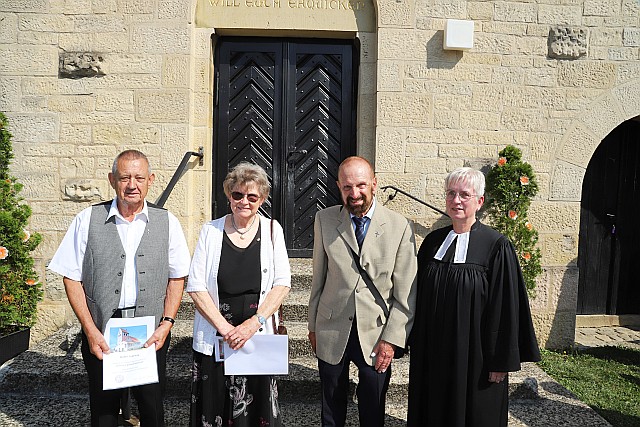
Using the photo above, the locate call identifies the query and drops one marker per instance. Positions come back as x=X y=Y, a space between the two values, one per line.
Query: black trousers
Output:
x=105 y=404
x=371 y=390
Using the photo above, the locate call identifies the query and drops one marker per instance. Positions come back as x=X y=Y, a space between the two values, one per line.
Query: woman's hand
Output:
x=238 y=336
x=497 y=377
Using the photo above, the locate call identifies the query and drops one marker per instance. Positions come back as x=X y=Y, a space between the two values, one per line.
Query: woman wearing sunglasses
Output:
x=472 y=323
x=239 y=277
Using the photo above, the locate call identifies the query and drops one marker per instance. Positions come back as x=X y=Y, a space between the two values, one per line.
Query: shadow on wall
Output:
x=422 y=231
x=554 y=306
x=437 y=57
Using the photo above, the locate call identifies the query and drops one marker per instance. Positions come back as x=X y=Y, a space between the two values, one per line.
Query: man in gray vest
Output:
x=124 y=258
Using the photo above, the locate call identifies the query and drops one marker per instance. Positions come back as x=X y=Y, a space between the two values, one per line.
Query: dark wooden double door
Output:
x=609 y=226
x=289 y=106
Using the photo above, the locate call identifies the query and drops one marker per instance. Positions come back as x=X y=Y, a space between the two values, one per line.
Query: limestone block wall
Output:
x=549 y=76
x=82 y=80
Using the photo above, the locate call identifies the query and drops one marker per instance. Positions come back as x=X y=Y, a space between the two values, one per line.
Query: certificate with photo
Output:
x=128 y=363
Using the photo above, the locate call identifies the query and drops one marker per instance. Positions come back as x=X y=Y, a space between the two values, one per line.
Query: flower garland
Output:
x=511 y=184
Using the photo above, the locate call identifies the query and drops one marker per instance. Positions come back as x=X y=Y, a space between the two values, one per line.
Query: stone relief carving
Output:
x=83 y=190
x=76 y=65
x=567 y=42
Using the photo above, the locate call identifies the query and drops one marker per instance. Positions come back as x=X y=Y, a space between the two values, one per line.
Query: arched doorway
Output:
x=607 y=254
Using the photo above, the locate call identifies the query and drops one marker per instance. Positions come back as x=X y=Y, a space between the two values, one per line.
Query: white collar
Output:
x=113 y=211
x=462 y=246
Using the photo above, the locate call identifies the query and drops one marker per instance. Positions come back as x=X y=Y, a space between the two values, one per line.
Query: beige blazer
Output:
x=338 y=293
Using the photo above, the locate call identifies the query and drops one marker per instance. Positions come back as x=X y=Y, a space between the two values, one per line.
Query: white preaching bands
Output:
x=462 y=245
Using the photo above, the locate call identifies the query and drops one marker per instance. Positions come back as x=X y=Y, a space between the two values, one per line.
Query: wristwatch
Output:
x=168 y=319
x=261 y=319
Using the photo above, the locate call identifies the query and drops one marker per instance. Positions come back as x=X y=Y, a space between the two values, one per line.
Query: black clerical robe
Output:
x=472 y=318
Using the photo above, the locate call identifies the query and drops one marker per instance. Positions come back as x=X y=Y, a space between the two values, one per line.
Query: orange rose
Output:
x=512 y=215
x=528 y=225
x=502 y=161
x=4 y=252
x=524 y=180
x=25 y=235
x=526 y=256
x=30 y=282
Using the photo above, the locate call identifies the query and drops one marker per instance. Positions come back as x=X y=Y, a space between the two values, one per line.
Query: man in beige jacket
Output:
x=346 y=323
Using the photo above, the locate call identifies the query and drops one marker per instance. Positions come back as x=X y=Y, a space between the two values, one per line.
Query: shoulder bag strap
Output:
x=374 y=291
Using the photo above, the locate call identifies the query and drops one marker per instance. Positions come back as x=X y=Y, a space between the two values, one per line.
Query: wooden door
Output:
x=289 y=106
x=609 y=230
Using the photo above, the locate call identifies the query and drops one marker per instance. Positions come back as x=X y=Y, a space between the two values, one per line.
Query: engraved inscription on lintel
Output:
x=293 y=4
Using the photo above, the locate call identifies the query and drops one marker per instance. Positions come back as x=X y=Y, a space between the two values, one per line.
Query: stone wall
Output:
x=81 y=80
x=549 y=76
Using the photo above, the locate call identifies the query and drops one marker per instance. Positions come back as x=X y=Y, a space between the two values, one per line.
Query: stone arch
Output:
x=617 y=105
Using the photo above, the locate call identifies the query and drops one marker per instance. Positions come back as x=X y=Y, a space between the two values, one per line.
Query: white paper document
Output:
x=261 y=355
x=129 y=364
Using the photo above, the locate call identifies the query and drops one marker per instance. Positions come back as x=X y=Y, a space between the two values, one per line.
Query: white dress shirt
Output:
x=369 y=215
x=69 y=257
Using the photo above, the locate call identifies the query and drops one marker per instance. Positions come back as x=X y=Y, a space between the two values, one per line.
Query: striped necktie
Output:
x=360 y=233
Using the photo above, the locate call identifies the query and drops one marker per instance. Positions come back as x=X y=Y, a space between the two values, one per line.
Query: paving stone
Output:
x=51 y=375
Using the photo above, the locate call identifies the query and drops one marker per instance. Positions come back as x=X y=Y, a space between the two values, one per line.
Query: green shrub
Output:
x=20 y=290
x=511 y=184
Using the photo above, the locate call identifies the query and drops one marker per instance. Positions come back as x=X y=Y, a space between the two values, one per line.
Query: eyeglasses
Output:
x=251 y=198
x=465 y=196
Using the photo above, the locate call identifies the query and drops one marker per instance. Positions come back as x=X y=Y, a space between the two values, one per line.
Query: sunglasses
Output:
x=251 y=198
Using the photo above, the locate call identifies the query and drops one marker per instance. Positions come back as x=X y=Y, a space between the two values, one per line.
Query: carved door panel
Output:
x=289 y=106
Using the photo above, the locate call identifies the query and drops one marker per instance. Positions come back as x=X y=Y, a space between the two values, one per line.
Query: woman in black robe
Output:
x=472 y=323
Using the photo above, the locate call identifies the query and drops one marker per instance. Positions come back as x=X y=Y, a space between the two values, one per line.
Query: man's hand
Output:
x=383 y=352
x=97 y=344
x=312 y=340
x=159 y=335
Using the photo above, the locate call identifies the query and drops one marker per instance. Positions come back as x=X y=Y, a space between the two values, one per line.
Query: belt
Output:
x=125 y=312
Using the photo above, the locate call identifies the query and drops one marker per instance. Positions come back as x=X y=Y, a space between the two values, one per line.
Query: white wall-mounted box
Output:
x=458 y=34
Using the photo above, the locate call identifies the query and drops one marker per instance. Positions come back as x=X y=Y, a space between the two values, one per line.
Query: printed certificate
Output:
x=261 y=355
x=129 y=364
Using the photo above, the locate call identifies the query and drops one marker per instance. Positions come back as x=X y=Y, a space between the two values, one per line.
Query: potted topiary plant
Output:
x=20 y=289
x=511 y=184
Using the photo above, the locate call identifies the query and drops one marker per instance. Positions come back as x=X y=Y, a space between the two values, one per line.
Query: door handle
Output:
x=294 y=155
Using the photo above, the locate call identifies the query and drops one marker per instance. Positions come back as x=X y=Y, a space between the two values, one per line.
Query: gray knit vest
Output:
x=104 y=261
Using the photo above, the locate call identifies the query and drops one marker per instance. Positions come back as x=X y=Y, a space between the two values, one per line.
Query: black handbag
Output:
x=399 y=351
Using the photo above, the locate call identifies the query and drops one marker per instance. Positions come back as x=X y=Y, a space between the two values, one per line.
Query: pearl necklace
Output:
x=233 y=223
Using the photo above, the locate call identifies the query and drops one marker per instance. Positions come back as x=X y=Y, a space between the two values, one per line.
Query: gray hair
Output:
x=130 y=155
x=245 y=173
x=465 y=175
